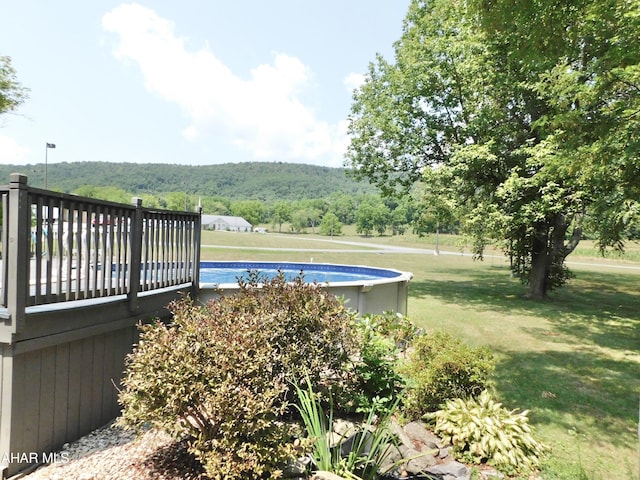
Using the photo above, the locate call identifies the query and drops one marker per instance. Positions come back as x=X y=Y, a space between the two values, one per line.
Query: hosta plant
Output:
x=481 y=430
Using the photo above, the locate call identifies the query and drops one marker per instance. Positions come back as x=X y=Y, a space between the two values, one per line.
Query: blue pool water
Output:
x=230 y=272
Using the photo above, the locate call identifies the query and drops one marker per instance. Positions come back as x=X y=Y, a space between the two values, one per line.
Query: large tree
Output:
x=525 y=114
x=12 y=94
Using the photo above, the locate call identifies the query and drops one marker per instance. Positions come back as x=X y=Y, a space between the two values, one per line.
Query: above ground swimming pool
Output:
x=364 y=289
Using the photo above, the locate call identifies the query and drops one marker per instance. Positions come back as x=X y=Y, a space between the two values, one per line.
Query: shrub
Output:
x=481 y=430
x=391 y=325
x=439 y=368
x=221 y=374
x=382 y=338
x=377 y=382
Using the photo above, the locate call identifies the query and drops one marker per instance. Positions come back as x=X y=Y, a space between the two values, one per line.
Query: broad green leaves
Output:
x=481 y=430
x=524 y=115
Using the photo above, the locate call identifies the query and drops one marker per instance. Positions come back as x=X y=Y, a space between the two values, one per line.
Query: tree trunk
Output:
x=540 y=263
x=538 y=278
x=549 y=248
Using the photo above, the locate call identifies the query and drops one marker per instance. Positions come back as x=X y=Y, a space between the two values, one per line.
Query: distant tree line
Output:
x=294 y=198
x=370 y=213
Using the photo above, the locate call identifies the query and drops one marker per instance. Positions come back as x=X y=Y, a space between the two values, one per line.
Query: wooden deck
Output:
x=76 y=277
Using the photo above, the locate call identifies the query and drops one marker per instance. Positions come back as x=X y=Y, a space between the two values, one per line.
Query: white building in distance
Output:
x=225 y=223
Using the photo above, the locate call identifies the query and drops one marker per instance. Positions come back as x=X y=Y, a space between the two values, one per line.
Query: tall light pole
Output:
x=46 y=151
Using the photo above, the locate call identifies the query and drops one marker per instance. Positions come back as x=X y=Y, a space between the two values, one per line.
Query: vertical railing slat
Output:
x=122 y=242
x=154 y=253
x=87 y=257
x=68 y=250
x=49 y=251
x=104 y=251
x=58 y=290
x=148 y=253
x=37 y=261
x=79 y=248
x=95 y=256
x=5 y=249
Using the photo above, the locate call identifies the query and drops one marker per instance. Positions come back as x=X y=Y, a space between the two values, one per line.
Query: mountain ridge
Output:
x=266 y=181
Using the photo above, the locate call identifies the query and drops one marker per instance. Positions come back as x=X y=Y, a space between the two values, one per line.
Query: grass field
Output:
x=572 y=360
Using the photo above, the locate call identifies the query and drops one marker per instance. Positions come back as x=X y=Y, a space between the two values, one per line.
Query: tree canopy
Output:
x=523 y=115
x=12 y=94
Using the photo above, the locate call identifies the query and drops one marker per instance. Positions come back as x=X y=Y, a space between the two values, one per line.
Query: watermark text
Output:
x=35 y=457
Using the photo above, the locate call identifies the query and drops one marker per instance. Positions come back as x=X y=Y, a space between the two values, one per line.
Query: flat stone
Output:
x=392 y=458
x=344 y=428
x=334 y=439
x=362 y=441
x=296 y=468
x=417 y=462
x=451 y=471
x=417 y=432
x=400 y=434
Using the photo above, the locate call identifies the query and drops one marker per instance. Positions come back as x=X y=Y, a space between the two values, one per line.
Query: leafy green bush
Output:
x=391 y=325
x=382 y=338
x=439 y=368
x=377 y=382
x=221 y=374
x=482 y=430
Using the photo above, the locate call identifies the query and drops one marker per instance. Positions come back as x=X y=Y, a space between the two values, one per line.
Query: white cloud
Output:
x=263 y=114
x=11 y=152
x=353 y=81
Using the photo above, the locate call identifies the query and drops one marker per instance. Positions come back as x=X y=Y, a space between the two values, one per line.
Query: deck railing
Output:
x=77 y=276
x=58 y=247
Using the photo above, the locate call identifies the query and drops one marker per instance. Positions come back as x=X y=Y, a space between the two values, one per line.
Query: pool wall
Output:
x=387 y=292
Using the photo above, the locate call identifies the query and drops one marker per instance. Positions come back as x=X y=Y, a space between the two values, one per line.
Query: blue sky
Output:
x=189 y=82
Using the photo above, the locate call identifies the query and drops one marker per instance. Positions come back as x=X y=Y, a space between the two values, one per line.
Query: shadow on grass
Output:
x=585 y=364
x=596 y=308
x=574 y=391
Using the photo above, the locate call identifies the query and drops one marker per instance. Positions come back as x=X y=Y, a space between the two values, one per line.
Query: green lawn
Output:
x=573 y=360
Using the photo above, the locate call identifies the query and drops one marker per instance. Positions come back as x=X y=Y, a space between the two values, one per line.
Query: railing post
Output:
x=197 y=237
x=136 y=254
x=5 y=246
x=17 y=255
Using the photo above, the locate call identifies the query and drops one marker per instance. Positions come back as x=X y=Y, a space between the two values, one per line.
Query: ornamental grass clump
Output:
x=368 y=445
x=481 y=430
x=220 y=374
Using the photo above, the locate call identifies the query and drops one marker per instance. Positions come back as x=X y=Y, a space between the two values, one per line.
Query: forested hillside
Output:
x=235 y=181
